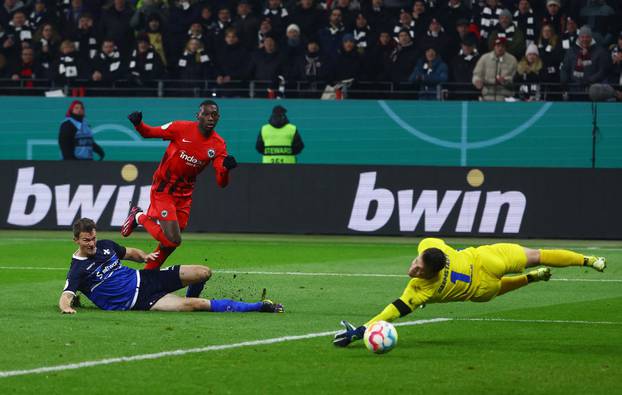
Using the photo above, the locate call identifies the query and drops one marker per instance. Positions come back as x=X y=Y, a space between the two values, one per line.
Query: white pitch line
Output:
x=173 y=353
x=164 y=354
x=311 y=273
x=320 y=274
x=540 y=321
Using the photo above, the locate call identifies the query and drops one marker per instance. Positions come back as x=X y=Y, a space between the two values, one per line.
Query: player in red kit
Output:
x=193 y=146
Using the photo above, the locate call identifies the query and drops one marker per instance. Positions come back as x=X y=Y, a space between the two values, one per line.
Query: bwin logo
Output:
x=32 y=201
x=191 y=160
x=435 y=214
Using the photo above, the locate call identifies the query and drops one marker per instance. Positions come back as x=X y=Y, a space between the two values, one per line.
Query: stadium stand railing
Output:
x=268 y=89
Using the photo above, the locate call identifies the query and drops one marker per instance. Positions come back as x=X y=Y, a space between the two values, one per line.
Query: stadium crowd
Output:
x=521 y=45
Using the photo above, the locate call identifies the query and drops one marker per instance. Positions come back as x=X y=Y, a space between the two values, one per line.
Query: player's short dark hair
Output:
x=86 y=225
x=434 y=259
x=209 y=103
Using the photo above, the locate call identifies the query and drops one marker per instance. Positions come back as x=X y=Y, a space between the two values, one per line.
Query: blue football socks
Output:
x=228 y=305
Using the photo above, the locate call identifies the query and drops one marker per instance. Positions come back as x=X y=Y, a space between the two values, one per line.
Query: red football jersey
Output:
x=186 y=156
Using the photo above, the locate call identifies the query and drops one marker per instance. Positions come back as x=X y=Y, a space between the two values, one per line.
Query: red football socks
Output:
x=156 y=231
x=164 y=253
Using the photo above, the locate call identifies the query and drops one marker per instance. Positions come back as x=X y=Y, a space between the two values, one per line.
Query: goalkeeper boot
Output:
x=130 y=222
x=541 y=274
x=597 y=262
x=269 y=306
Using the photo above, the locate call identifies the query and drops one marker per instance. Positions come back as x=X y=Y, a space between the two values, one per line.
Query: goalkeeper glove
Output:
x=229 y=162
x=350 y=334
x=136 y=117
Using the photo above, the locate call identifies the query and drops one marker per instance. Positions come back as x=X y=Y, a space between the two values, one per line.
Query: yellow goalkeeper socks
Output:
x=561 y=258
x=511 y=283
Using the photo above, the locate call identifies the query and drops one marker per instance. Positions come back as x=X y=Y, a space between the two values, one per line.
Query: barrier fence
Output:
x=446 y=91
x=398 y=132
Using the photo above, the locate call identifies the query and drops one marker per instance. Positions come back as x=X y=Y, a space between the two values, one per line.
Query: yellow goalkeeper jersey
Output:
x=470 y=274
x=458 y=281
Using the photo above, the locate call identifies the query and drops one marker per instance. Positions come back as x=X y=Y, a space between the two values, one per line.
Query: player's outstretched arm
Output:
x=137 y=255
x=390 y=313
x=65 y=303
x=136 y=118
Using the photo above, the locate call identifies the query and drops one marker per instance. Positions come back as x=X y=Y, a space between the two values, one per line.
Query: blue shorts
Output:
x=154 y=284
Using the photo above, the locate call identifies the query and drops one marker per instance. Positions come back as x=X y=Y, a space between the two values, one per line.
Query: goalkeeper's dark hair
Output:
x=434 y=259
x=86 y=225
x=209 y=103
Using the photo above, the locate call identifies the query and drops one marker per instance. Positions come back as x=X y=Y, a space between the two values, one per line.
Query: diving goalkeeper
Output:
x=441 y=274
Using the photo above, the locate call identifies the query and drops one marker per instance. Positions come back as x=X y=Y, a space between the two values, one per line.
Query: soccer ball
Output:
x=380 y=337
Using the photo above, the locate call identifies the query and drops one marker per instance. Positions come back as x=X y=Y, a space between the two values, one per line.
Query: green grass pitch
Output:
x=560 y=337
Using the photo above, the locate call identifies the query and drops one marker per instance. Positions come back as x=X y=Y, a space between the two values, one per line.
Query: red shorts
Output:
x=166 y=207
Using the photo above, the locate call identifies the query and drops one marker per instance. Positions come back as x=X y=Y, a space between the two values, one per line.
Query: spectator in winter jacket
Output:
x=308 y=17
x=462 y=67
x=145 y=64
x=330 y=36
x=601 y=18
x=115 y=24
x=362 y=33
x=435 y=37
x=403 y=58
x=46 y=45
x=348 y=13
x=231 y=60
x=487 y=18
x=69 y=67
x=27 y=69
x=145 y=8
x=407 y=23
x=528 y=75
x=247 y=25
x=267 y=63
x=158 y=39
x=429 y=73
x=570 y=35
x=293 y=46
x=312 y=66
x=554 y=17
x=551 y=54
x=506 y=29
x=378 y=59
x=196 y=32
x=182 y=14
x=278 y=15
x=452 y=12
x=75 y=137
x=41 y=14
x=420 y=16
x=108 y=65
x=494 y=73
x=377 y=16
x=18 y=35
x=585 y=63
x=526 y=21
x=85 y=38
x=348 y=64
x=195 y=63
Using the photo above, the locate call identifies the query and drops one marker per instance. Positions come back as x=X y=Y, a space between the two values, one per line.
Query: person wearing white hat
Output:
x=528 y=75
